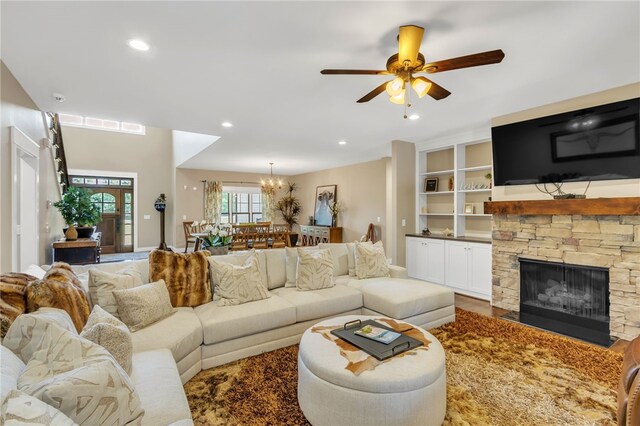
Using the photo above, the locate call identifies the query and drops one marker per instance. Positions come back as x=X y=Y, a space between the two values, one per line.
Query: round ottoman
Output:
x=404 y=390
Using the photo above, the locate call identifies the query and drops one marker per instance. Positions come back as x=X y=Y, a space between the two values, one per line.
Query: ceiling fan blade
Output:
x=477 y=59
x=372 y=94
x=436 y=91
x=409 y=40
x=365 y=72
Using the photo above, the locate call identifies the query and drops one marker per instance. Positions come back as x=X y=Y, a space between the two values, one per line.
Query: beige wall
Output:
x=610 y=188
x=20 y=111
x=150 y=156
x=403 y=199
x=362 y=189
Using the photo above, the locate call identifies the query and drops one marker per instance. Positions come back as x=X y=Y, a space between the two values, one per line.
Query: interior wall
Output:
x=20 y=111
x=190 y=201
x=149 y=155
x=605 y=188
x=362 y=190
x=403 y=170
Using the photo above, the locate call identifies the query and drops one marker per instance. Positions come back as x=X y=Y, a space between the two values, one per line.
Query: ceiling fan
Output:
x=409 y=61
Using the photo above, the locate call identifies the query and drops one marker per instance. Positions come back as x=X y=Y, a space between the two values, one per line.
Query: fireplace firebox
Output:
x=569 y=299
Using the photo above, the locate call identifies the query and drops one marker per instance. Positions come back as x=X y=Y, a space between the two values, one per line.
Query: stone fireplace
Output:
x=601 y=233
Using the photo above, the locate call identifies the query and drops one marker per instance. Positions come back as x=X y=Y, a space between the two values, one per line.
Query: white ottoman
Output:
x=406 y=390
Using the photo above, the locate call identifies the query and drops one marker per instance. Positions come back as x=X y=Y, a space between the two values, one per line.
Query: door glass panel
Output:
x=97 y=198
x=127 y=240
x=108 y=198
x=99 y=206
x=127 y=197
x=109 y=208
x=127 y=208
x=127 y=229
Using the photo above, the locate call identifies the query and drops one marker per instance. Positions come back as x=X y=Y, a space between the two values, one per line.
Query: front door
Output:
x=116 y=227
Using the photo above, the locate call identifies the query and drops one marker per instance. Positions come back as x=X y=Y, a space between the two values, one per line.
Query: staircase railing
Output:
x=58 y=151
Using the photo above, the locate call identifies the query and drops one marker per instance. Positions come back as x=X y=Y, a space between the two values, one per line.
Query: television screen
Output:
x=597 y=143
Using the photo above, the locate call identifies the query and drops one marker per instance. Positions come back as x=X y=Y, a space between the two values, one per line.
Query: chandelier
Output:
x=271 y=183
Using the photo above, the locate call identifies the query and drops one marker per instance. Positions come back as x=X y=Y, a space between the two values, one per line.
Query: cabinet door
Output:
x=480 y=268
x=434 y=271
x=456 y=264
x=416 y=258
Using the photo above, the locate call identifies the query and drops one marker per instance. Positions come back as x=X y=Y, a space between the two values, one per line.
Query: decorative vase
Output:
x=218 y=251
x=334 y=221
x=71 y=234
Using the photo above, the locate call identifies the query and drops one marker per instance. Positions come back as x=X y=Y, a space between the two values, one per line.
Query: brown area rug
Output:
x=498 y=373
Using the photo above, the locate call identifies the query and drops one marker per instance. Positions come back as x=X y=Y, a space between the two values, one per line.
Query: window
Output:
x=102 y=124
x=240 y=207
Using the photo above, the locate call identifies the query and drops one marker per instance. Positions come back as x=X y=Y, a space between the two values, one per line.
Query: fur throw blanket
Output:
x=12 y=298
x=186 y=276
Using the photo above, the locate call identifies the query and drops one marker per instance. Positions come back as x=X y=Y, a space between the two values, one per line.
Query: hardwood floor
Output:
x=483 y=307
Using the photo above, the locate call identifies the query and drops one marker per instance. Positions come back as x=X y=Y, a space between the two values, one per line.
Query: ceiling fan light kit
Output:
x=409 y=61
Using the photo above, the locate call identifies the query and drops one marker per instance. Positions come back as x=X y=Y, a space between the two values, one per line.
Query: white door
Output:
x=480 y=269
x=24 y=164
x=435 y=261
x=456 y=264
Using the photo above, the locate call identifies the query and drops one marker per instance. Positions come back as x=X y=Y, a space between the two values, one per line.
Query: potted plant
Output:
x=289 y=207
x=218 y=239
x=78 y=212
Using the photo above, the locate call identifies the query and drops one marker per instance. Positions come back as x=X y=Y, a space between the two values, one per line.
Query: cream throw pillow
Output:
x=142 y=306
x=110 y=333
x=315 y=270
x=102 y=284
x=236 y=284
x=291 y=258
x=371 y=261
x=20 y=408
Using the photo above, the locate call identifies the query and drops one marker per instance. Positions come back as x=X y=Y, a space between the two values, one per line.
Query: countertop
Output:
x=443 y=237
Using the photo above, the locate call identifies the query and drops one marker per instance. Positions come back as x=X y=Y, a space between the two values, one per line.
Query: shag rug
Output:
x=498 y=373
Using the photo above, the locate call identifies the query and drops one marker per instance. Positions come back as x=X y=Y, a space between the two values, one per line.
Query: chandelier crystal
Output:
x=271 y=183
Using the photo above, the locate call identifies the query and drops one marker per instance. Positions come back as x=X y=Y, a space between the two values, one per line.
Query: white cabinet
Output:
x=463 y=266
x=468 y=268
x=425 y=259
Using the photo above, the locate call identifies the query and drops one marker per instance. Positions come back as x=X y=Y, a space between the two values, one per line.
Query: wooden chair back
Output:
x=261 y=236
x=267 y=224
x=371 y=233
x=241 y=235
x=280 y=236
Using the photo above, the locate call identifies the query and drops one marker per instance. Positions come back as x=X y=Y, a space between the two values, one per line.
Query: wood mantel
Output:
x=587 y=206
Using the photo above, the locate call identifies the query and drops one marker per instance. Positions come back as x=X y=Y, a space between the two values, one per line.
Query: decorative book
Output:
x=378 y=334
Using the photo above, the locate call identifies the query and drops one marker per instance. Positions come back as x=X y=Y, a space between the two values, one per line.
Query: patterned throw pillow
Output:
x=30 y=332
x=110 y=333
x=315 y=270
x=186 y=276
x=291 y=254
x=20 y=408
x=143 y=305
x=371 y=261
x=12 y=298
x=60 y=288
x=237 y=283
x=102 y=284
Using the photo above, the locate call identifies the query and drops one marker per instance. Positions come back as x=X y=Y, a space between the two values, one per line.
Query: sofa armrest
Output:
x=398 y=272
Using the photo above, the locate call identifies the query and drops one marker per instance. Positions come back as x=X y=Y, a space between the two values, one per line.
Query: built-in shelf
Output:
x=436 y=193
x=475 y=214
x=475 y=190
x=475 y=169
x=436 y=214
x=438 y=173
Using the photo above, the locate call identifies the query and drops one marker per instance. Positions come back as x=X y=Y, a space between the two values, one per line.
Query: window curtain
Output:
x=268 y=203
x=212 y=201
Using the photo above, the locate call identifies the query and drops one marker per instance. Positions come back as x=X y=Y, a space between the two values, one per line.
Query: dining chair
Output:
x=280 y=236
x=261 y=236
x=188 y=234
x=240 y=237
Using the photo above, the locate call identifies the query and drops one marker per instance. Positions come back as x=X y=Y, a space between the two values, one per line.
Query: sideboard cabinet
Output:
x=314 y=235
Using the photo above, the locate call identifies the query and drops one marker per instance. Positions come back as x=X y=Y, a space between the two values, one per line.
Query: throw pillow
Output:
x=371 y=261
x=110 y=333
x=60 y=288
x=31 y=331
x=340 y=254
x=102 y=284
x=186 y=276
x=143 y=305
x=11 y=368
x=237 y=283
x=351 y=248
x=315 y=270
x=240 y=258
x=12 y=298
x=291 y=254
x=20 y=408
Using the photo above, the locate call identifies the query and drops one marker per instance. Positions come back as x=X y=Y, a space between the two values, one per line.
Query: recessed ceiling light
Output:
x=226 y=124
x=342 y=143
x=414 y=117
x=138 y=44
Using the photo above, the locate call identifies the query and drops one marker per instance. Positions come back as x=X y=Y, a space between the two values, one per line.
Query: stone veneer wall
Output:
x=604 y=241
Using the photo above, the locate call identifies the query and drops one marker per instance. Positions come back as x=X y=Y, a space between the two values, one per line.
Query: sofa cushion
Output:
x=112 y=334
x=402 y=298
x=371 y=261
x=276 y=268
x=220 y=323
x=13 y=302
x=315 y=270
x=237 y=284
x=143 y=305
x=321 y=303
x=181 y=333
x=102 y=284
x=291 y=254
x=11 y=367
x=141 y=266
x=186 y=276
x=340 y=254
x=20 y=408
x=157 y=383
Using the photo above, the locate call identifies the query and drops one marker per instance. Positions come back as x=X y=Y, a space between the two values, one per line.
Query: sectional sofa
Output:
x=170 y=352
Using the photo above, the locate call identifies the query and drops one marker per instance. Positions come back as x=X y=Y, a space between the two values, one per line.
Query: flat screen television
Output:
x=598 y=143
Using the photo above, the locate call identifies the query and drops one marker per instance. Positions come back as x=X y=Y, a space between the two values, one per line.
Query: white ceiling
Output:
x=257 y=64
